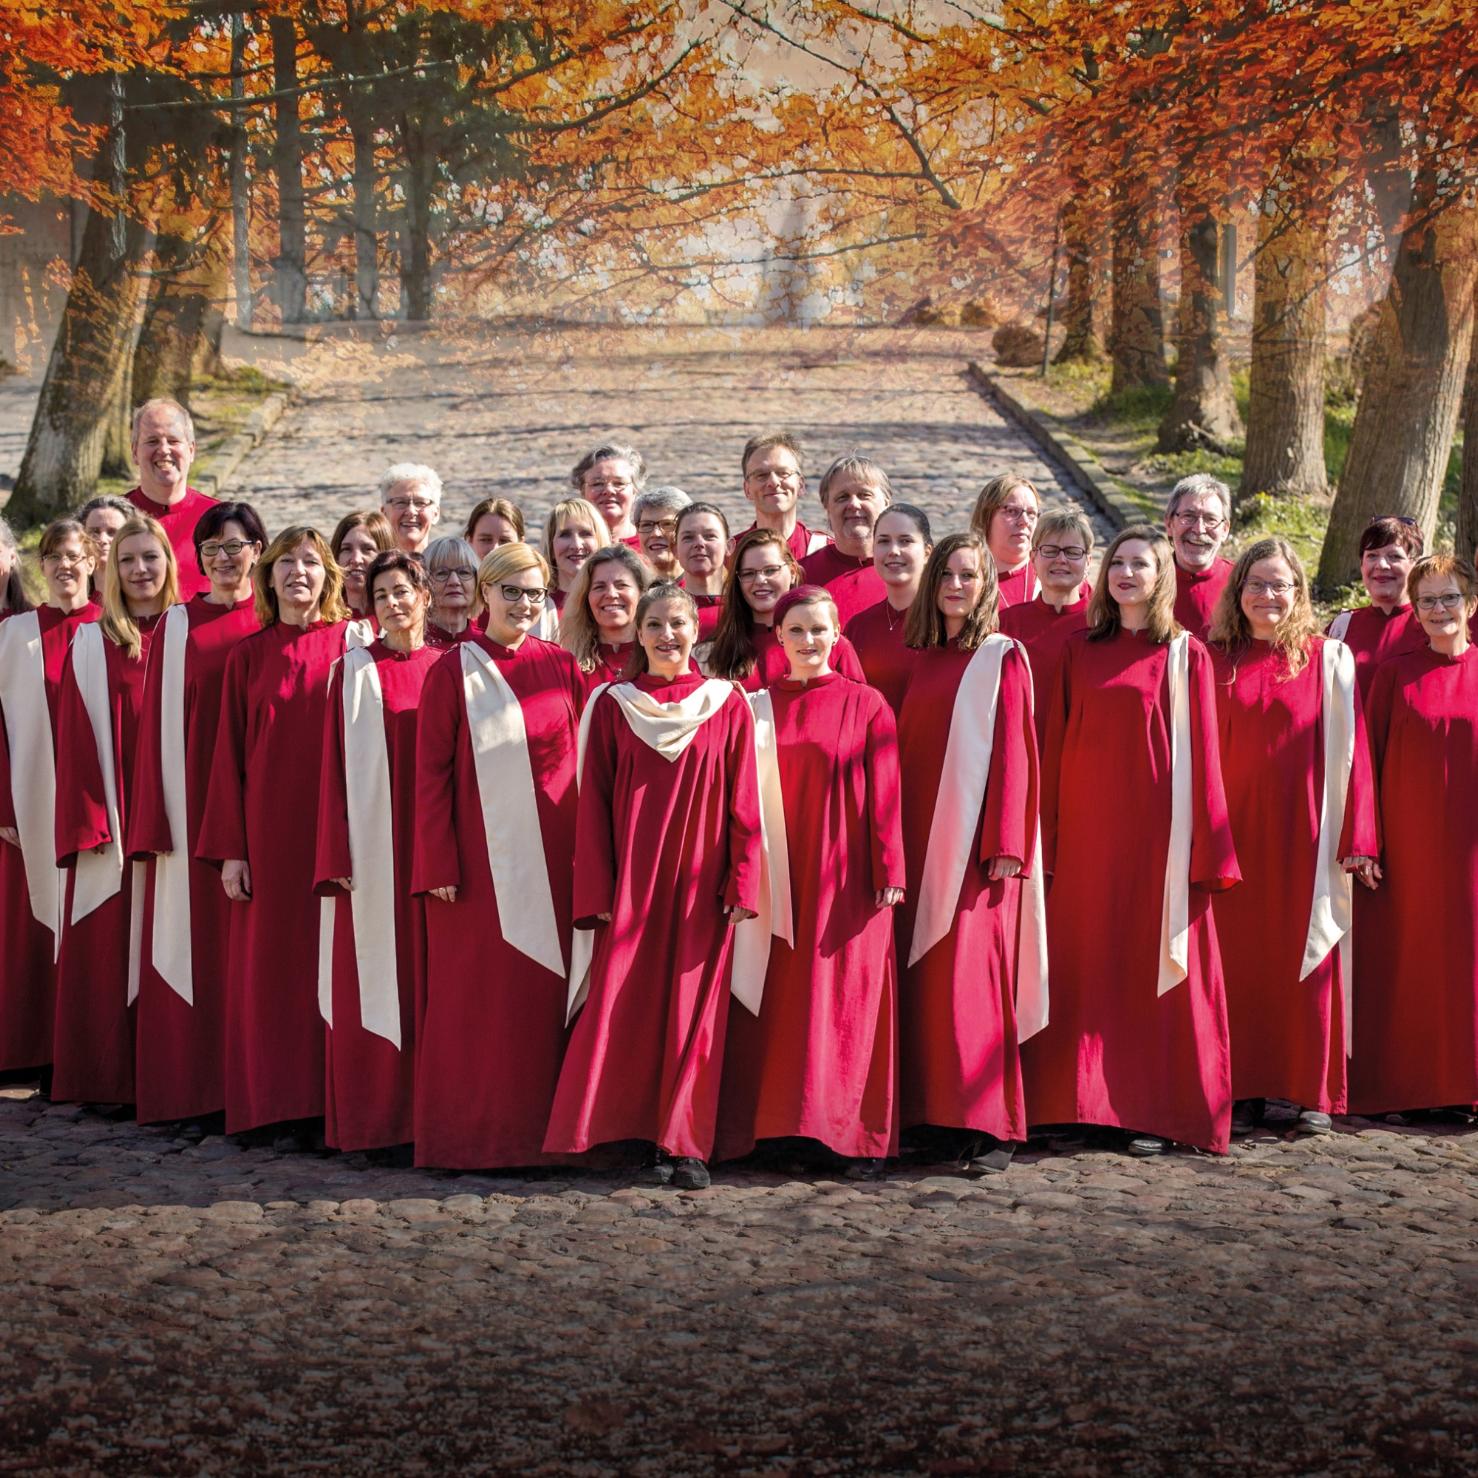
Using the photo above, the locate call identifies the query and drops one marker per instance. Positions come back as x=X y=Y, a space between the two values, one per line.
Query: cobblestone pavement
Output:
x=510 y=413
x=179 y=1305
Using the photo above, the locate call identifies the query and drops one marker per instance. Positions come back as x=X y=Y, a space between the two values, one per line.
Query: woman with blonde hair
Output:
x=598 y=627
x=258 y=828
x=573 y=532
x=1135 y=838
x=1296 y=767
x=1005 y=516
x=97 y=730
x=33 y=651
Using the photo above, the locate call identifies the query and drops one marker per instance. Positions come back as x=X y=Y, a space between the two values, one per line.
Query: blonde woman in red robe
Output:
x=974 y=982
x=494 y=859
x=901 y=545
x=1296 y=766
x=1135 y=840
x=97 y=742
x=667 y=861
x=812 y=1055
x=33 y=650
x=573 y=532
x=258 y=827
x=180 y=1036
x=598 y=626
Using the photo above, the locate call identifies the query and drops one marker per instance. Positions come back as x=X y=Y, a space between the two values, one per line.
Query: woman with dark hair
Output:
x=1296 y=766
x=492 y=523
x=974 y=968
x=901 y=543
x=357 y=539
x=186 y=921
x=1135 y=839
x=102 y=517
x=667 y=860
x=13 y=595
x=1387 y=627
x=258 y=828
x=598 y=627
x=33 y=651
x=97 y=740
x=369 y=984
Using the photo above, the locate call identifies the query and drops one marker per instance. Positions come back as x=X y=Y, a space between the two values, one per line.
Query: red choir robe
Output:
x=1017 y=587
x=771 y=664
x=1416 y=936
x=1287 y=1032
x=262 y=805
x=1375 y=637
x=380 y=924
x=1043 y=630
x=877 y=635
x=801 y=541
x=665 y=847
x=1196 y=595
x=34 y=646
x=439 y=639
x=491 y=1033
x=98 y=964
x=1116 y=1052
x=710 y=608
x=178 y=521
x=961 y=1058
x=854 y=583
x=610 y=663
x=179 y=1059
x=819 y=1060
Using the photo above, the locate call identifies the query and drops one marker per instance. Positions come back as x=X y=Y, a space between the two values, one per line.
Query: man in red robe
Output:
x=774 y=482
x=1198 y=519
x=163 y=449
x=854 y=491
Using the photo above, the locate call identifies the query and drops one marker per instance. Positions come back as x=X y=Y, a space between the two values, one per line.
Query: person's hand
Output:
x=890 y=897
x=1002 y=867
x=236 y=880
x=447 y=895
x=738 y=914
x=11 y=835
x=347 y=884
x=1367 y=869
x=604 y=918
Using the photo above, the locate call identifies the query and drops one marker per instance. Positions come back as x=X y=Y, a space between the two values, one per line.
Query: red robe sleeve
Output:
x=435 y=861
x=332 y=859
x=1054 y=732
x=1008 y=827
x=1360 y=834
x=1213 y=857
x=885 y=813
x=1379 y=707
x=223 y=826
x=146 y=830
x=847 y=663
x=595 y=840
x=81 y=804
x=742 y=889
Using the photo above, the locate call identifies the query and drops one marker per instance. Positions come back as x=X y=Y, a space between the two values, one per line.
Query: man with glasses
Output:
x=1198 y=520
x=163 y=443
x=410 y=499
x=774 y=474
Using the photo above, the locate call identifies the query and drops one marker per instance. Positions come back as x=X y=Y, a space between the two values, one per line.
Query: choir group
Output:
x=652 y=834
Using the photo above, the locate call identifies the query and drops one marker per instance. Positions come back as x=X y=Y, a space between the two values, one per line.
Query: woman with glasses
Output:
x=1006 y=513
x=33 y=651
x=369 y=985
x=610 y=477
x=186 y=925
x=1387 y=627
x=1135 y=840
x=410 y=499
x=451 y=568
x=1416 y=936
x=1198 y=519
x=655 y=515
x=1296 y=767
x=493 y=859
x=901 y=545
x=598 y=627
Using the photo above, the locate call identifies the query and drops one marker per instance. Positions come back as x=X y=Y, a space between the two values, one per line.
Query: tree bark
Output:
x=1137 y=324
x=364 y=303
x=1467 y=502
x=1284 y=455
x=1410 y=401
x=1081 y=343
x=287 y=160
x=415 y=268
x=1204 y=411
x=181 y=338
x=240 y=185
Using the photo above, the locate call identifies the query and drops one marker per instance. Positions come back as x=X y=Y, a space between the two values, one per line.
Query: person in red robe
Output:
x=854 y=491
x=410 y=500
x=1416 y=935
x=745 y=649
x=33 y=651
x=13 y=597
x=1135 y=839
x=772 y=466
x=1062 y=545
x=96 y=744
x=1388 y=626
x=494 y=859
x=1198 y=518
x=453 y=616
x=598 y=627
x=970 y=936
x=573 y=532
x=357 y=539
x=1005 y=515
x=702 y=539
x=814 y=1057
x=667 y=861
x=492 y=523
x=369 y=986
x=102 y=517
x=163 y=449
x=179 y=1061
x=260 y=811
x=610 y=476
x=901 y=544
x=654 y=515
x=1296 y=766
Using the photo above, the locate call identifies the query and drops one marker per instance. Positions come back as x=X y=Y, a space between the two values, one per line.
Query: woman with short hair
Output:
x=1005 y=515
x=655 y=516
x=702 y=543
x=611 y=476
x=901 y=544
x=357 y=539
x=1388 y=627
x=598 y=627
x=451 y=567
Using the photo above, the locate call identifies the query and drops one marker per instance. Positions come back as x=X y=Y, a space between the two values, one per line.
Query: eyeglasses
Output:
x=1199 y=520
x=445 y=577
x=1449 y=602
x=410 y=505
x=765 y=572
x=515 y=593
x=659 y=526
x=229 y=547
x=59 y=558
x=771 y=474
x=609 y=485
x=1019 y=515
x=1269 y=587
x=1074 y=552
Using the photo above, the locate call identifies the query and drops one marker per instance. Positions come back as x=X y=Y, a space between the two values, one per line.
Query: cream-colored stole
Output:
x=1175 y=909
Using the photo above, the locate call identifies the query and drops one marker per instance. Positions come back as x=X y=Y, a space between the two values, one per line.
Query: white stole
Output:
x=1340 y=625
x=547 y=626
x=1332 y=915
x=32 y=765
x=957 y=809
x=1175 y=909
x=752 y=937
x=169 y=944
x=359 y=632
x=815 y=541
x=98 y=875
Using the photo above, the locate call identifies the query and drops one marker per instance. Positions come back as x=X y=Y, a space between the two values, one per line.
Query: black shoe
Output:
x=865 y=1169
x=1247 y=1114
x=1146 y=1146
x=658 y=1170
x=689 y=1174
x=990 y=1157
x=1311 y=1121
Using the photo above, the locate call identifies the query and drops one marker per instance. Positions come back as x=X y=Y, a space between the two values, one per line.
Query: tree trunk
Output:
x=1137 y=324
x=364 y=302
x=181 y=338
x=1284 y=455
x=1080 y=343
x=287 y=161
x=1467 y=502
x=240 y=185
x=1204 y=411
x=1409 y=405
x=415 y=270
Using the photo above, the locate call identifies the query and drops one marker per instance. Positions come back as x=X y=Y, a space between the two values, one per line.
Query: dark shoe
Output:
x=658 y=1170
x=865 y=1169
x=1311 y=1121
x=1146 y=1146
x=1247 y=1114
x=689 y=1174
x=991 y=1158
